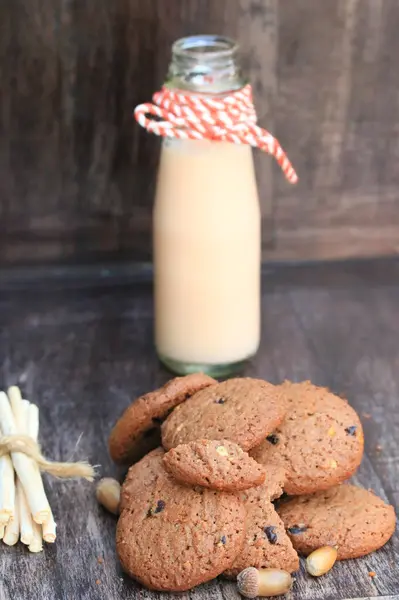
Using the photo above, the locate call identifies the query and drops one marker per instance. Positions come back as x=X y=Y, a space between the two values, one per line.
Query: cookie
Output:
x=138 y=430
x=172 y=537
x=354 y=519
x=141 y=475
x=215 y=464
x=243 y=411
x=319 y=443
x=266 y=543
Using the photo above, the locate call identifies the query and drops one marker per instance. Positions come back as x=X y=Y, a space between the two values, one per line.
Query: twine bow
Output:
x=64 y=470
x=231 y=117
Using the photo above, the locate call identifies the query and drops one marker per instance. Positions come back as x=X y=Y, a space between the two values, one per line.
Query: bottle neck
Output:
x=205 y=64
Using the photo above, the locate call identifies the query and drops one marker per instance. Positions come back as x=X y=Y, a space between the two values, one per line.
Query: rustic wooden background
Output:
x=76 y=173
x=83 y=354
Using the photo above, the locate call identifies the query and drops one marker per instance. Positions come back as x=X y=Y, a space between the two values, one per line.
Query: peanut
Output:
x=320 y=561
x=108 y=493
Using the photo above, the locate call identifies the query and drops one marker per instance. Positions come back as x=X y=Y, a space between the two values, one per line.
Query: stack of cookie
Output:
x=201 y=502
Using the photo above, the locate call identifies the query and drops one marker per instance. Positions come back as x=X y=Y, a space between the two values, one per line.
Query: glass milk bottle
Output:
x=207 y=230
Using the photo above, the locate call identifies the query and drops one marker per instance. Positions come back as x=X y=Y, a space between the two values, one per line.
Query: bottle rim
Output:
x=205 y=47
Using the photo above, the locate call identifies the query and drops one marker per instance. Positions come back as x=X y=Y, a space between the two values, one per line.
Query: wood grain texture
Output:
x=76 y=172
x=338 y=115
x=83 y=353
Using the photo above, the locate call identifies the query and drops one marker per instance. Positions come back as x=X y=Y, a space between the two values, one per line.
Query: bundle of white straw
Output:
x=25 y=512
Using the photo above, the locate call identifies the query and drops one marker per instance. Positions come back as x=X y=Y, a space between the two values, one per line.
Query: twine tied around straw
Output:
x=26 y=445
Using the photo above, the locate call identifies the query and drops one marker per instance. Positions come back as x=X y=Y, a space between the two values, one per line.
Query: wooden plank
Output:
x=77 y=175
x=82 y=354
x=76 y=172
x=257 y=32
x=339 y=124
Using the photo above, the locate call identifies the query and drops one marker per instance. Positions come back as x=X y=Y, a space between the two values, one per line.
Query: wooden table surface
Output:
x=82 y=353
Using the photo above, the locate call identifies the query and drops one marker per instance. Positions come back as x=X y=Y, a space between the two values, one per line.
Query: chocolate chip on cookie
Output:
x=215 y=464
x=354 y=519
x=266 y=543
x=138 y=430
x=172 y=537
x=243 y=411
x=319 y=443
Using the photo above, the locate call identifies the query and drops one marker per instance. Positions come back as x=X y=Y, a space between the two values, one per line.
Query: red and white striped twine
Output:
x=230 y=118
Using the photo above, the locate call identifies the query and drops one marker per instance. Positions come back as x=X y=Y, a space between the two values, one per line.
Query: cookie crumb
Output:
x=378 y=448
x=98 y=581
x=100 y=560
x=366 y=415
x=372 y=573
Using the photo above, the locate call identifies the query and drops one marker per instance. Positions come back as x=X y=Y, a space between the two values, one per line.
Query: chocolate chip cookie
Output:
x=354 y=519
x=172 y=537
x=266 y=543
x=141 y=475
x=243 y=411
x=215 y=464
x=138 y=430
x=319 y=443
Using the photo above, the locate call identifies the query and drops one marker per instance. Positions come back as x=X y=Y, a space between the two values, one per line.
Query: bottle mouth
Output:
x=205 y=64
x=205 y=47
